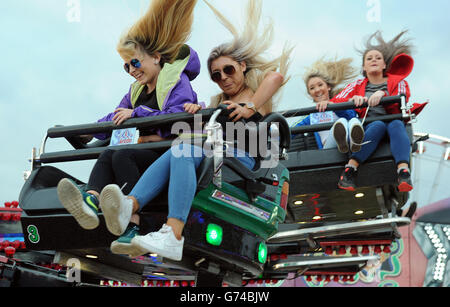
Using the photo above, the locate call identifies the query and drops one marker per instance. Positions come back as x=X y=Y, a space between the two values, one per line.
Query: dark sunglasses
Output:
x=229 y=70
x=134 y=62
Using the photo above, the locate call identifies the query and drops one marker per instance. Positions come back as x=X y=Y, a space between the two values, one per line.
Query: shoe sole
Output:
x=352 y=189
x=129 y=249
x=117 y=218
x=71 y=198
x=339 y=135
x=357 y=136
x=141 y=244
x=404 y=187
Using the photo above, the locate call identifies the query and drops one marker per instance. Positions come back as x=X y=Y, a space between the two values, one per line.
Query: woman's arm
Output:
x=125 y=104
x=192 y=108
x=268 y=87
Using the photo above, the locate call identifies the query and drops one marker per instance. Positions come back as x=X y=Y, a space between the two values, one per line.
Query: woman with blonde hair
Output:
x=322 y=81
x=248 y=82
x=155 y=54
x=243 y=56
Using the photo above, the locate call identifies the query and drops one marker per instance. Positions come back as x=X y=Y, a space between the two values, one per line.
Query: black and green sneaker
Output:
x=123 y=246
x=83 y=206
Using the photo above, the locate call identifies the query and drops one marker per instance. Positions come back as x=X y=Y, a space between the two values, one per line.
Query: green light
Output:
x=262 y=252
x=214 y=234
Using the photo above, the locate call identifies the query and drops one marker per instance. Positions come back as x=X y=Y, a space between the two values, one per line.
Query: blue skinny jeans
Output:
x=399 y=141
x=178 y=171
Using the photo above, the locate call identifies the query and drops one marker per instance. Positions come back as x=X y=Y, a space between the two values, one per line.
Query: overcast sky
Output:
x=60 y=66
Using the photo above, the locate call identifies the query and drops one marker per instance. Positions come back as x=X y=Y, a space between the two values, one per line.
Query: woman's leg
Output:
x=401 y=150
x=168 y=241
x=82 y=205
x=152 y=182
x=330 y=142
x=180 y=174
x=400 y=143
x=182 y=186
x=374 y=133
x=102 y=174
x=118 y=209
x=129 y=165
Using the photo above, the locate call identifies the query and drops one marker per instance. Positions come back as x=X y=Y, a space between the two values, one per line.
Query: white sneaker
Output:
x=356 y=135
x=116 y=208
x=339 y=132
x=164 y=243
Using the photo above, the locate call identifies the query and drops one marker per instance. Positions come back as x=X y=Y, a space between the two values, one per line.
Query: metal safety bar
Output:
x=145 y=122
x=92 y=152
x=347 y=106
x=344 y=106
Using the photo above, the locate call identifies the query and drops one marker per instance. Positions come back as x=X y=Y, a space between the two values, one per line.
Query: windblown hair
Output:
x=335 y=73
x=164 y=28
x=249 y=47
x=389 y=49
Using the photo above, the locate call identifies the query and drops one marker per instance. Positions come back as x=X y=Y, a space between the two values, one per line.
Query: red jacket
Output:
x=401 y=67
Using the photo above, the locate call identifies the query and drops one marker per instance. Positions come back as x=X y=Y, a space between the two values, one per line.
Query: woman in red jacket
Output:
x=385 y=67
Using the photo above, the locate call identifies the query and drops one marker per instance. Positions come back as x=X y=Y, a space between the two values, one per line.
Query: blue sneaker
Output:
x=123 y=246
x=81 y=205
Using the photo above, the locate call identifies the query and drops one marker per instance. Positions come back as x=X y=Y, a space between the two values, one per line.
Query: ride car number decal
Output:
x=33 y=234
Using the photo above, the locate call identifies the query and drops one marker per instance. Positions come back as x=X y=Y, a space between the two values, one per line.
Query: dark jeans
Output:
x=120 y=167
x=399 y=141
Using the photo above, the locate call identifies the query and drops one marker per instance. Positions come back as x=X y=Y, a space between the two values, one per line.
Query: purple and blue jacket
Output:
x=173 y=90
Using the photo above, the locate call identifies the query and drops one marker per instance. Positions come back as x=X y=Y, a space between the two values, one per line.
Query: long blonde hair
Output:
x=335 y=73
x=248 y=47
x=164 y=28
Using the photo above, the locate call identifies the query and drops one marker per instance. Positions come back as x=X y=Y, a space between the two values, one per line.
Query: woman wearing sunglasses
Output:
x=155 y=54
x=244 y=77
x=322 y=80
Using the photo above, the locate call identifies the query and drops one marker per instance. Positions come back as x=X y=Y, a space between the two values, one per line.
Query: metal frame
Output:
x=322 y=262
x=335 y=230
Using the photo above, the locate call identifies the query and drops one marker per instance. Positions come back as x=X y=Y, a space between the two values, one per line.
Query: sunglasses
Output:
x=134 y=62
x=229 y=70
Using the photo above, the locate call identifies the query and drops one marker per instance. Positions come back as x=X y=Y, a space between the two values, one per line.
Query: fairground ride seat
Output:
x=231 y=218
x=314 y=196
x=323 y=219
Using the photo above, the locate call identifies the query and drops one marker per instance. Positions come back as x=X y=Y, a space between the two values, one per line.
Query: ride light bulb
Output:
x=214 y=234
